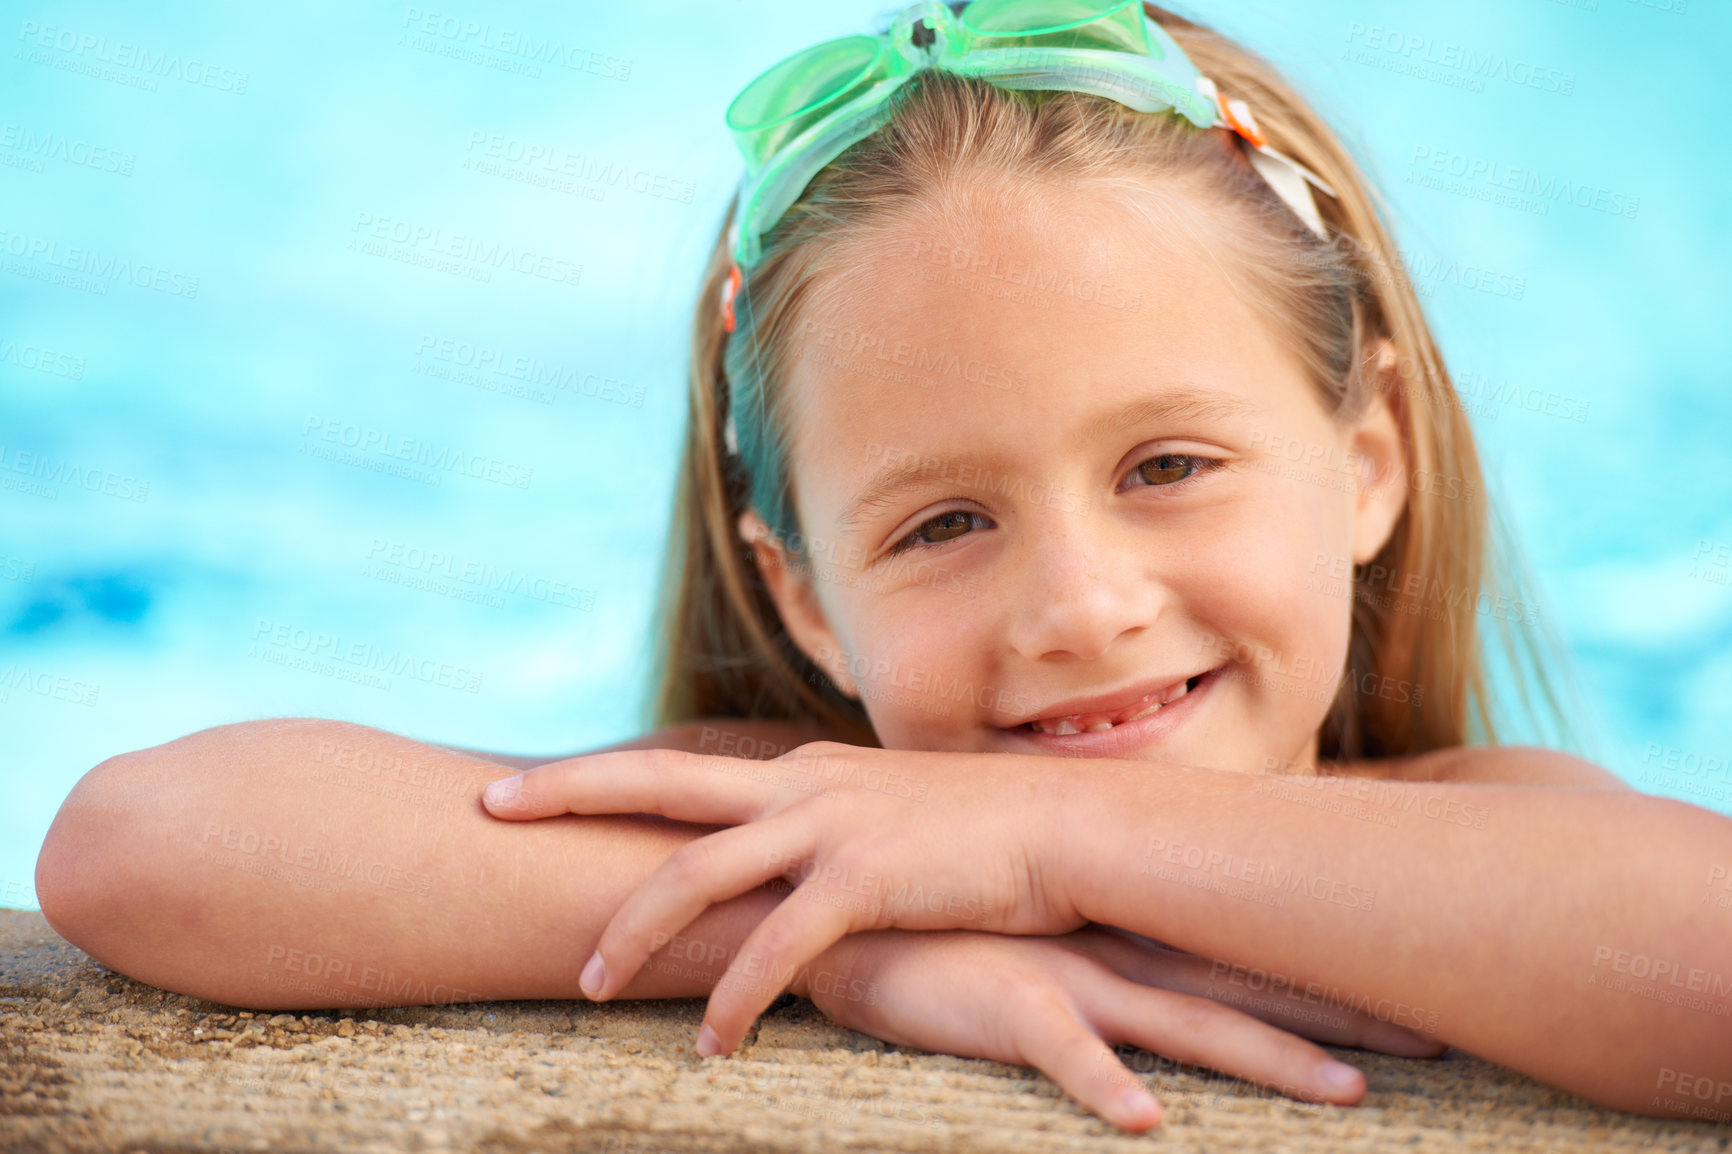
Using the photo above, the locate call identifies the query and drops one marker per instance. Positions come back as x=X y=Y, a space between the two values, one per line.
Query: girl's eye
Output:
x=1169 y=469
x=946 y=526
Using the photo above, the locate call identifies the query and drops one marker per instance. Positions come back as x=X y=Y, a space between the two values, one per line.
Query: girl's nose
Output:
x=1079 y=588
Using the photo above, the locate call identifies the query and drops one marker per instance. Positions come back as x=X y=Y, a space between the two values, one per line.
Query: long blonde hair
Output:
x=723 y=649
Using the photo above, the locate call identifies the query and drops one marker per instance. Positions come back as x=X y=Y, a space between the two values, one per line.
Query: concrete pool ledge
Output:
x=92 y=1060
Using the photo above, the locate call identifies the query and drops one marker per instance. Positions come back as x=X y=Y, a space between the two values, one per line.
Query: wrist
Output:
x=1092 y=833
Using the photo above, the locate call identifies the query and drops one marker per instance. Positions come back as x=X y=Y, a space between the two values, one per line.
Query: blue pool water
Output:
x=208 y=263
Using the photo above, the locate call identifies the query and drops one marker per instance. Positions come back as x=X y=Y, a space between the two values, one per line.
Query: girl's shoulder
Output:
x=1484 y=765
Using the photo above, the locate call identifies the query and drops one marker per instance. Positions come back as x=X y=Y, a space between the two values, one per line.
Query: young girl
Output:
x=1076 y=502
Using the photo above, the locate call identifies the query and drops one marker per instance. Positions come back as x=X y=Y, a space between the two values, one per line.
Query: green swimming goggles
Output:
x=806 y=111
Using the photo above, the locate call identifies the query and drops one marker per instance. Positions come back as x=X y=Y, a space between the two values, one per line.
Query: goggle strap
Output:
x=730 y=288
x=1291 y=180
x=1284 y=177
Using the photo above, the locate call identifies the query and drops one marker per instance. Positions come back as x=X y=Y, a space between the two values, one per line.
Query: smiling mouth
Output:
x=1146 y=706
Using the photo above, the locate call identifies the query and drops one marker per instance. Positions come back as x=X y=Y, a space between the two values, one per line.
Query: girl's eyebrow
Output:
x=916 y=470
x=1183 y=405
x=1180 y=405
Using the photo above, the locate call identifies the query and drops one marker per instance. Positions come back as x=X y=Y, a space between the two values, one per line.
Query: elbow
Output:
x=78 y=872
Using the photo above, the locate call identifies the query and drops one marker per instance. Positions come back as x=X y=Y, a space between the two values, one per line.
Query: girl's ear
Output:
x=1378 y=442
x=789 y=579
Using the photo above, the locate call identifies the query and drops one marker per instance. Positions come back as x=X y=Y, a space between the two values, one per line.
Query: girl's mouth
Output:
x=1120 y=731
x=1146 y=706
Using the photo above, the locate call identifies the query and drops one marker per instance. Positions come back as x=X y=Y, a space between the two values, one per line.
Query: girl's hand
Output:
x=1148 y=963
x=1056 y=1003
x=876 y=839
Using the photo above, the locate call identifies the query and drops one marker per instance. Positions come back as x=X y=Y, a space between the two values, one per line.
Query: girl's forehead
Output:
x=1036 y=358
x=992 y=314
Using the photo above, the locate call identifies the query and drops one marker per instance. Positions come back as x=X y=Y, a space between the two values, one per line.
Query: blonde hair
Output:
x=724 y=652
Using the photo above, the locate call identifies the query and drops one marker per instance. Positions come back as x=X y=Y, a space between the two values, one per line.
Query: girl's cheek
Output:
x=918 y=666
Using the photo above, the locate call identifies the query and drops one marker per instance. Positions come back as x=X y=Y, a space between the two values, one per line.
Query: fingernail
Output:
x=594 y=976
x=505 y=790
x=709 y=1042
x=1136 y=1105
x=1340 y=1076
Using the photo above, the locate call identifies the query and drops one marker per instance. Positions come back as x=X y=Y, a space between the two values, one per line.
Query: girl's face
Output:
x=1064 y=492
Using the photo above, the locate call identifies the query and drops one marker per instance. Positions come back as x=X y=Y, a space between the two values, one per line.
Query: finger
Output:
x=809 y=921
x=1303 y=1011
x=684 y=786
x=1051 y=1037
x=1195 y=1030
x=699 y=874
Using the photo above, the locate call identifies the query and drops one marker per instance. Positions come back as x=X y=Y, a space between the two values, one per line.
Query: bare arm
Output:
x=1568 y=932
x=735 y=737
x=297 y=863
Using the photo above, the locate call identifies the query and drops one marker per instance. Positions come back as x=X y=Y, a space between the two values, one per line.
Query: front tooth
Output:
x=1143 y=712
x=1066 y=728
x=1099 y=727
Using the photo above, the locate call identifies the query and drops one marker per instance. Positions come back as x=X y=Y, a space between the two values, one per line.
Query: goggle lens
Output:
x=781 y=103
x=1108 y=25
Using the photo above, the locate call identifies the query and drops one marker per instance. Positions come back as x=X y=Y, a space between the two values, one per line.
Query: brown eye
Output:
x=945 y=527
x=1167 y=469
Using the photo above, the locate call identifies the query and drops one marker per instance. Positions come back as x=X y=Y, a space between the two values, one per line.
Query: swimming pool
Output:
x=270 y=391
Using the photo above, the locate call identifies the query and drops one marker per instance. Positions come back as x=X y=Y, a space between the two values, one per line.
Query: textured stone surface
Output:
x=91 y=1060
